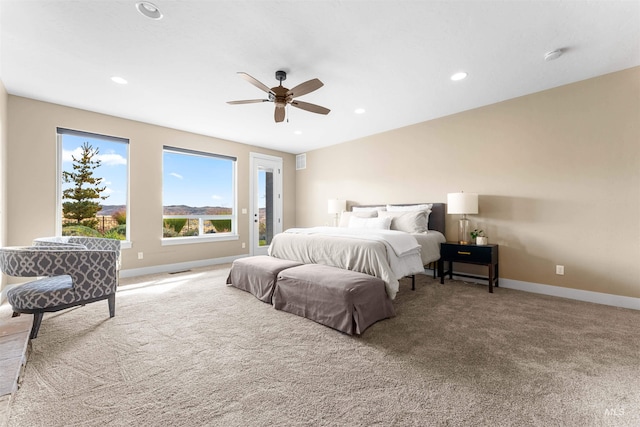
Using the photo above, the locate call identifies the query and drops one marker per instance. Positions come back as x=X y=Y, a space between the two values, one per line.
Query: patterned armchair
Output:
x=71 y=274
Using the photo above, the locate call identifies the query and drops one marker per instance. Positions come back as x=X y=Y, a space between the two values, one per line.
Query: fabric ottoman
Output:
x=341 y=299
x=258 y=274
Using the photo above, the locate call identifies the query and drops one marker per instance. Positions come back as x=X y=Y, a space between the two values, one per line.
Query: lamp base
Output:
x=463 y=231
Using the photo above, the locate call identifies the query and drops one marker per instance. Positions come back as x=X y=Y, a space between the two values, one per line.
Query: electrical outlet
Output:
x=244 y=245
x=140 y=255
x=560 y=270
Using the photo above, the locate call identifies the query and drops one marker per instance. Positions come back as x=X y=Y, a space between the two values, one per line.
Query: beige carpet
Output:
x=186 y=350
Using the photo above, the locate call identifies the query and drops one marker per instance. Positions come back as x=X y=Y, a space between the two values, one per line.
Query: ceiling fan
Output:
x=282 y=96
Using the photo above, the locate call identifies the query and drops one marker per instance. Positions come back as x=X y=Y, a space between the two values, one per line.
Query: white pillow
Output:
x=368 y=208
x=345 y=216
x=370 y=223
x=406 y=208
x=410 y=208
x=408 y=221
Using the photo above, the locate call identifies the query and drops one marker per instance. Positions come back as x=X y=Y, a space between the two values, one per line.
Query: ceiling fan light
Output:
x=149 y=10
x=283 y=97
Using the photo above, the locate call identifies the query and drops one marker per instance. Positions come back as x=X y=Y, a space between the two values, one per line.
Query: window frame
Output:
x=60 y=131
x=208 y=237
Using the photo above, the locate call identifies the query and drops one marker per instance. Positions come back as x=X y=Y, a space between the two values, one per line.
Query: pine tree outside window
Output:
x=92 y=186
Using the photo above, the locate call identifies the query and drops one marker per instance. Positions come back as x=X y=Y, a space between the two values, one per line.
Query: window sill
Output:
x=198 y=239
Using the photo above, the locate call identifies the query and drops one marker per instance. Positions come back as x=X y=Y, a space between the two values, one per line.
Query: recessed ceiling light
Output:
x=459 y=76
x=119 y=80
x=298 y=132
x=554 y=54
x=149 y=10
x=359 y=111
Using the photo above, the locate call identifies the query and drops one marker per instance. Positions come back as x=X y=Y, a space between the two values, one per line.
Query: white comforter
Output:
x=387 y=254
x=430 y=245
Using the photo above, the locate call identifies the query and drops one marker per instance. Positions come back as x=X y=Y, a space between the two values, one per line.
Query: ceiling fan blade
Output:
x=248 y=101
x=279 y=114
x=310 y=107
x=305 y=88
x=255 y=82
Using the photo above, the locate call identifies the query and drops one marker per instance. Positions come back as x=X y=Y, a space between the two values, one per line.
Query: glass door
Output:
x=266 y=203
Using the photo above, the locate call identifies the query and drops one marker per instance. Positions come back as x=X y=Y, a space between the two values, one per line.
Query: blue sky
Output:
x=196 y=180
x=187 y=180
x=112 y=170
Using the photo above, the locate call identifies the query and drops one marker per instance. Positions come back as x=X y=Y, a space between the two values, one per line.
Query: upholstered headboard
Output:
x=436 y=218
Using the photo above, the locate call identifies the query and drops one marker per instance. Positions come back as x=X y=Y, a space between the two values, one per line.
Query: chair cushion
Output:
x=44 y=293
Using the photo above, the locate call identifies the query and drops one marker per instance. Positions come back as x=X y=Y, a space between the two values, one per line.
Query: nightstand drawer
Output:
x=467 y=253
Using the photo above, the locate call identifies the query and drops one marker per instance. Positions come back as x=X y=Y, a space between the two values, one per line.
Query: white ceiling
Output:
x=393 y=58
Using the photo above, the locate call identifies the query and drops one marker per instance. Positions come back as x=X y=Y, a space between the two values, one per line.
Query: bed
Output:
x=357 y=245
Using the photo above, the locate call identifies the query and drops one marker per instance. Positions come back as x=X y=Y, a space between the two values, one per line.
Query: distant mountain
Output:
x=189 y=210
x=108 y=210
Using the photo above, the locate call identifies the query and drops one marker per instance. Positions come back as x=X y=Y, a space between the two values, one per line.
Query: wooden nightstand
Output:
x=471 y=254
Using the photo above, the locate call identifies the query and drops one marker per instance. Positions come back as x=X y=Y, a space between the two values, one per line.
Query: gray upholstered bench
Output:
x=258 y=274
x=341 y=299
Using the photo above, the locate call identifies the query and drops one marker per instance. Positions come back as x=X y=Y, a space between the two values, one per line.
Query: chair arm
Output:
x=98 y=243
x=92 y=243
x=95 y=274
x=49 y=241
x=101 y=243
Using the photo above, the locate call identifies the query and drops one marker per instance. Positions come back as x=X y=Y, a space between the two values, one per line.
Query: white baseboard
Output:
x=181 y=266
x=559 y=291
x=577 y=294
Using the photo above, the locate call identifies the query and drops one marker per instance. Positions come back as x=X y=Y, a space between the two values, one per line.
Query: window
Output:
x=93 y=183
x=198 y=196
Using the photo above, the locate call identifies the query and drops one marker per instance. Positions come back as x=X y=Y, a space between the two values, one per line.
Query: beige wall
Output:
x=31 y=179
x=558 y=173
x=3 y=163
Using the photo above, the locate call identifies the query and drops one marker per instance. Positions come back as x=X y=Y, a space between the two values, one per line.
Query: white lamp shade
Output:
x=336 y=206
x=462 y=203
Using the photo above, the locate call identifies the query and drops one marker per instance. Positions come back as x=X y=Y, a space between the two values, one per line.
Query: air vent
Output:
x=301 y=161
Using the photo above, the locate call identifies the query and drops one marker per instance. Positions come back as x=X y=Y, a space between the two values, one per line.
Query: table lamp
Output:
x=336 y=207
x=462 y=204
